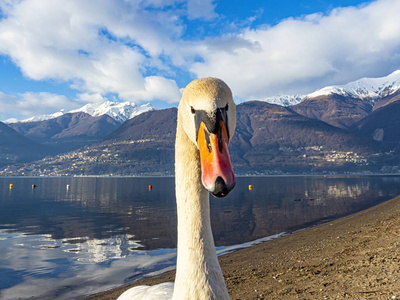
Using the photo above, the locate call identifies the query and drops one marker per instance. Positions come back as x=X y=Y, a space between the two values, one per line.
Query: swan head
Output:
x=208 y=114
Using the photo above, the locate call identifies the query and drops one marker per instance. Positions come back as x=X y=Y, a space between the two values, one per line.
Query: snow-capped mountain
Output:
x=285 y=100
x=119 y=111
x=40 y=117
x=365 y=88
x=370 y=89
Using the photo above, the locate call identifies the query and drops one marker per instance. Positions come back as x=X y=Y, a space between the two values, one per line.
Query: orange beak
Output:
x=216 y=168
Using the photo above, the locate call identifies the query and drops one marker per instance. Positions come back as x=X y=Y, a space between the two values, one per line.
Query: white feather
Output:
x=144 y=292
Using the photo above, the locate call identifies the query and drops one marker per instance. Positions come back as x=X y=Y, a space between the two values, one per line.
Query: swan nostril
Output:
x=220 y=188
x=207 y=136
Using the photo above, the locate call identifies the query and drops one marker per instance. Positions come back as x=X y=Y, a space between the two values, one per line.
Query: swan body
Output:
x=206 y=122
x=145 y=292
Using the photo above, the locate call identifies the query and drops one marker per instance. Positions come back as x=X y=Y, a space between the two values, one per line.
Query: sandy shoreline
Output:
x=356 y=257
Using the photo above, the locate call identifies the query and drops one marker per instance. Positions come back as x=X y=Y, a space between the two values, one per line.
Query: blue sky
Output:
x=64 y=54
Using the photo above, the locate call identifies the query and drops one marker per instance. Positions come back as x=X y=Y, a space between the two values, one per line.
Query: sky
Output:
x=58 y=54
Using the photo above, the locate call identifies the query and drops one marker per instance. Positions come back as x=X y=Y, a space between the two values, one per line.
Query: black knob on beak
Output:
x=220 y=188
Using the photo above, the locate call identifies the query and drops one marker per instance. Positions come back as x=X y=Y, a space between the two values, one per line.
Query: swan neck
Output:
x=198 y=274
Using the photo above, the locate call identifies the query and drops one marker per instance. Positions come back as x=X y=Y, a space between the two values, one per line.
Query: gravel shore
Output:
x=356 y=257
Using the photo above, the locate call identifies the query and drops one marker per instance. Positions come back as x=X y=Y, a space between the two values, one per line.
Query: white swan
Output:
x=206 y=122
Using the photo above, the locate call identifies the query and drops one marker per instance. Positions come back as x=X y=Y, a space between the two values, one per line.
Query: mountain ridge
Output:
x=68 y=131
x=14 y=147
x=119 y=111
x=326 y=134
x=364 y=88
x=367 y=88
x=269 y=139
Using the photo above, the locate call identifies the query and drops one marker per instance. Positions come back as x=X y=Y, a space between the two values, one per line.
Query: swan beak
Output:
x=216 y=168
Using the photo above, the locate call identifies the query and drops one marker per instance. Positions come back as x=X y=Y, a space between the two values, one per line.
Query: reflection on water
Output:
x=70 y=237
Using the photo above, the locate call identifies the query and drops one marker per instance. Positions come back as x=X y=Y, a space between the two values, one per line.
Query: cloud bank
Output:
x=97 y=46
x=31 y=104
x=140 y=50
x=301 y=55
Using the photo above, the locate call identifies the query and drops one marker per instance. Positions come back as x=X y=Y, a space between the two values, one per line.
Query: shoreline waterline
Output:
x=356 y=256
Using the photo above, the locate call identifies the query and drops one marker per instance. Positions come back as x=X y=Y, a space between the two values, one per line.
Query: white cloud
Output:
x=301 y=55
x=91 y=98
x=138 y=50
x=29 y=104
x=98 y=46
x=201 y=9
x=158 y=87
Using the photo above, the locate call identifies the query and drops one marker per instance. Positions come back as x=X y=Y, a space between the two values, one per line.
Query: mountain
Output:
x=343 y=106
x=144 y=142
x=68 y=131
x=285 y=100
x=383 y=126
x=391 y=98
x=77 y=128
x=334 y=109
x=269 y=139
x=366 y=88
x=40 y=117
x=157 y=125
x=343 y=129
x=118 y=111
x=369 y=89
x=16 y=148
x=135 y=148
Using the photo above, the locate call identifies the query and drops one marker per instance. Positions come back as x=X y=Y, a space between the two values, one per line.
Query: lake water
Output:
x=71 y=237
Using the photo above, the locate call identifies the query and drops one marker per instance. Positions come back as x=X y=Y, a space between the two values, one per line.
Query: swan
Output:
x=206 y=123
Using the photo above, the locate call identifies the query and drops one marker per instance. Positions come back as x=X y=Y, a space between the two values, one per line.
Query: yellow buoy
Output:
x=250 y=187
x=11 y=185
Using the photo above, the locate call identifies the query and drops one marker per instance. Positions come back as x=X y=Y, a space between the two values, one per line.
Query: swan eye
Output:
x=192 y=110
